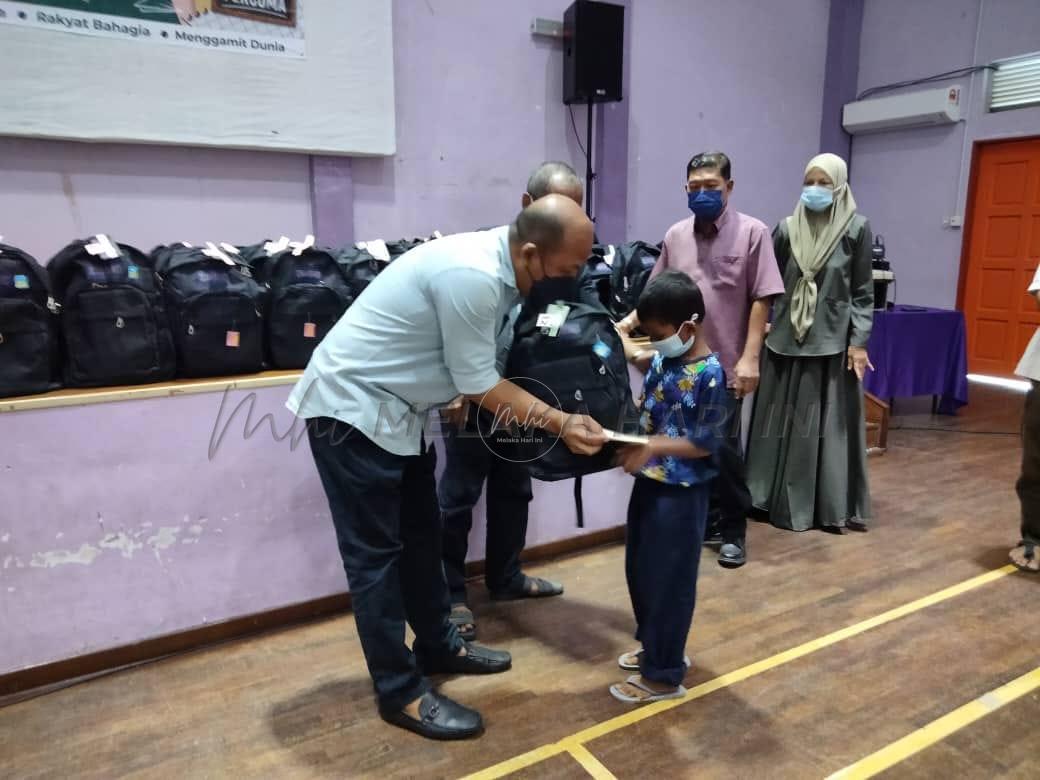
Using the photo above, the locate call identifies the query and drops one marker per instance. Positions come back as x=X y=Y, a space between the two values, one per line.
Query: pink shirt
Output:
x=733 y=269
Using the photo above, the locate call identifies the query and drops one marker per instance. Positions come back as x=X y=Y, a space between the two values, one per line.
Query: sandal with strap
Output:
x=462 y=618
x=645 y=695
x=530 y=588
x=1030 y=562
x=630 y=661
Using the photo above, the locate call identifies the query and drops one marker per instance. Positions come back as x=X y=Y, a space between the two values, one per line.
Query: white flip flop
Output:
x=635 y=667
x=615 y=691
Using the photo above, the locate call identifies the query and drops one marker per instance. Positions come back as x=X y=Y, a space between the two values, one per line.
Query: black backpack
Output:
x=595 y=278
x=399 y=247
x=360 y=267
x=215 y=307
x=308 y=293
x=29 y=360
x=583 y=370
x=630 y=271
x=114 y=325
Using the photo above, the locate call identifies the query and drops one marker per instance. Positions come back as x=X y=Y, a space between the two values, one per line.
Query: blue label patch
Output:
x=21 y=282
x=133 y=272
x=602 y=350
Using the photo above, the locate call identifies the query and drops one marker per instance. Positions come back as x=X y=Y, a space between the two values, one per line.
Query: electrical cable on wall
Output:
x=950 y=74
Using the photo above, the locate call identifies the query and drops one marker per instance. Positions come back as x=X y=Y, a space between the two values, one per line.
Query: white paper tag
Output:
x=545 y=320
x=274 y=247
x=103 y=246
x=229 y=248
x=299 y=247
x=213 y=251
x=608 y=258
x=378 y=250
x=437 y=234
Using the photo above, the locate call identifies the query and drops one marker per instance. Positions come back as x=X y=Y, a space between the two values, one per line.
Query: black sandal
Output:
x=530 y=588
x=462 y=616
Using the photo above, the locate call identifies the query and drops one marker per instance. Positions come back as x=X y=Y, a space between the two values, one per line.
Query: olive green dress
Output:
x=807 y=462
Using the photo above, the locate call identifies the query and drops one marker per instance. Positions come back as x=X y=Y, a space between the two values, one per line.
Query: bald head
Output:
x=551 y=178
x=550 y=238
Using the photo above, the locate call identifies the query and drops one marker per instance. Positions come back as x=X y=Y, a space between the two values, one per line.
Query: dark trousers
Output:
x=384 y=507
x=662 y=556
x=730 y=497
x=468 y=463
x=1028 y=486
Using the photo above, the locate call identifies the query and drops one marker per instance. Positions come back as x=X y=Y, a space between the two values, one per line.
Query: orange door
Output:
x=1003 y=253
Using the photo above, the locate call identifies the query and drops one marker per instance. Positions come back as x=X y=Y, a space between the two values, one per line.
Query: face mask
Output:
x=553 y=288
x=674 y=346
x=817 y=198
x=706 y=204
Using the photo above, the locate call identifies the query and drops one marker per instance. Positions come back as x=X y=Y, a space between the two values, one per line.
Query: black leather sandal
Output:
x=530 y=588
x=439 y=718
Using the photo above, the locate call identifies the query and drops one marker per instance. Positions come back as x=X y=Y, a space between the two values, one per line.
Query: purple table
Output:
x=919 y=351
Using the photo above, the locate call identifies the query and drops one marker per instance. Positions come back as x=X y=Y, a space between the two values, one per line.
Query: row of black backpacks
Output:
x=103 y=313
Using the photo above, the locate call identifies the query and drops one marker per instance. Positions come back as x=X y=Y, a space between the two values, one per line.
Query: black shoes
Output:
x=440 y=718
x=733 y=555
x=477 y=660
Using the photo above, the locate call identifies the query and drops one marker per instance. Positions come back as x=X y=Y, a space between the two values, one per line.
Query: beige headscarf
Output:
x=814 y=235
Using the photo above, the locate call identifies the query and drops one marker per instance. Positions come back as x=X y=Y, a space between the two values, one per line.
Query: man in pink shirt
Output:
x=730 y=257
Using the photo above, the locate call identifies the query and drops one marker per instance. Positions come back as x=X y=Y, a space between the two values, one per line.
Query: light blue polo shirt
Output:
x=428 y=328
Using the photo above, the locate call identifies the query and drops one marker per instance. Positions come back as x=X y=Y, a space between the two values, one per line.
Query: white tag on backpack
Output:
x=378 y=250
x=213 y=251
x=103 y=246
x=274 y=247
x=608 y=258
x=551 y=320
x=298 y=247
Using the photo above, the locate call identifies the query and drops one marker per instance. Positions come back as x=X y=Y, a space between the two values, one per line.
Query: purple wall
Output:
x=53 y=191
x=841 y=73
x=122 y=528
x=744 y=77
x=478 y=103
x=907 y=181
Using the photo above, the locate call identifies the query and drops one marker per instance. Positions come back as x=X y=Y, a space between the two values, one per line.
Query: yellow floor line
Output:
x=589 y=761
x=648 y=711
x=940 y=729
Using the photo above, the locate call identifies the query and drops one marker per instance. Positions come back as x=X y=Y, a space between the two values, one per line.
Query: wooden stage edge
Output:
x=77 y=396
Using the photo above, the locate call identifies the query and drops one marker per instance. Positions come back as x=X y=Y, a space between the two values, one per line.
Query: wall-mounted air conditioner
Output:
x=912 y=109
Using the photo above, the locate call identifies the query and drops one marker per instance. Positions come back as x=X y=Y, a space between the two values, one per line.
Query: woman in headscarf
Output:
x=807 y=450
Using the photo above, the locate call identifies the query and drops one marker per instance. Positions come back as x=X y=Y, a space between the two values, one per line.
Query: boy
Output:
x=683 y=413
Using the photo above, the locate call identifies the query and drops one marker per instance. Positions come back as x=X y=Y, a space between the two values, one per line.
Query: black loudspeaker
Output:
x=594 y=41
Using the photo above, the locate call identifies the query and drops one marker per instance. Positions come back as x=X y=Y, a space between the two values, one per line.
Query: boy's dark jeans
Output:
x=662 y=556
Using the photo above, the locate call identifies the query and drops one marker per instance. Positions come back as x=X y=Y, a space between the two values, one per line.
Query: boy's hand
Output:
x=633 y=457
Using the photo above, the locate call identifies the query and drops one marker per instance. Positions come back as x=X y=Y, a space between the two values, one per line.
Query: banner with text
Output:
x=263 y=27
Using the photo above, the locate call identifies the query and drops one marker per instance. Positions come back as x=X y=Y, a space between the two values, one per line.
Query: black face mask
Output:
x=553 y=288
